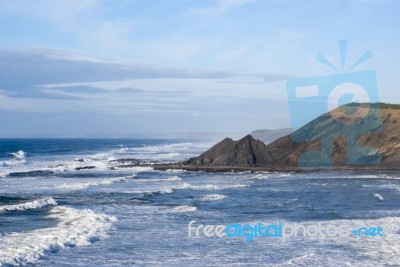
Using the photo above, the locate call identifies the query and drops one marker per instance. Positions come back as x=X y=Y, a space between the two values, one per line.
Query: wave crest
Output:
x=213 y=197
x=183 y=208
x=20 y=154
x=35 y=204
x=75 y=228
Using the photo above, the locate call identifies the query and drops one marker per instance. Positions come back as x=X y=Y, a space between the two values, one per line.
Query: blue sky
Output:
x=116 y=68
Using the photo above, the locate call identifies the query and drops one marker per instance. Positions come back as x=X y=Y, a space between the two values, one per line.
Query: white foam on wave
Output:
x=102 y=156
x=261 y=176
x=169 y=179
x=74 y=228
x=75 y=165
x=163 y=148
x=165 y=191
x=361 y=176
x=213 y=197
x=386 y=247
x=161 y=191
x=357 y=250
x=367 y=176
x=19 y=154
x=122 y=149
x=182 y=208
x=210 y=186
x=13 y=165
x=35 y=204
x=378 y=196
x=71 y=166
x=267 y=175
x=137 y=169
x=96 y=182
x=168 y=152
x=376 y=176
x=100 y=161
x=175 y=170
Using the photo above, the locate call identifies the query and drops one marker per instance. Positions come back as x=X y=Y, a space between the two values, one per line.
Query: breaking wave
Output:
x=210 y=186
x=74 y=228
x=213 y=197
x=35 y=204
x=183 y=208
x=19 y=155
x=98 y=182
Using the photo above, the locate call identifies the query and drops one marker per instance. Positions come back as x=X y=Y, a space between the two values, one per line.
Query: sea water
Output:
x=56 y=211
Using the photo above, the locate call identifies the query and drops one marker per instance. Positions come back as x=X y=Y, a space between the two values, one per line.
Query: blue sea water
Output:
x=53 y=213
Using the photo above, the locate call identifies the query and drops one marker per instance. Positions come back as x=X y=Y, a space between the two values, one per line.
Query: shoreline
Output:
x=223 y=169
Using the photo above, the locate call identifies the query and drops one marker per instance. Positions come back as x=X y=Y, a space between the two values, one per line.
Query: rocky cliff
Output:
x=245 y=152
x=361 y=137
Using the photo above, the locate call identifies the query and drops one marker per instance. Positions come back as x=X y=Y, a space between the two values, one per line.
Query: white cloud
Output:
x=86 y=84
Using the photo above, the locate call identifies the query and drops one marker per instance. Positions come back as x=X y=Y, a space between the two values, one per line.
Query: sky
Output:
x=98 y=68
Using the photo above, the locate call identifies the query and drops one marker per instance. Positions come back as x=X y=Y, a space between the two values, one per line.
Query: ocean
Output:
x=65 y=202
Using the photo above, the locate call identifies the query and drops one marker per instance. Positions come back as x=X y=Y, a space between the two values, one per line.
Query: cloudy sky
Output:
x=116 y=68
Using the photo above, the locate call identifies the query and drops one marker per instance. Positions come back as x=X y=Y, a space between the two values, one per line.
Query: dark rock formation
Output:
x=245 y=152
x=85 y=168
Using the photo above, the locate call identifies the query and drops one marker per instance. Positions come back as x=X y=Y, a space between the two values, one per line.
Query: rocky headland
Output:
x=374 y=130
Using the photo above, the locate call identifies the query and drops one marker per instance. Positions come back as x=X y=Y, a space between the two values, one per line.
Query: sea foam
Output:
x=35 y=204
x=183 y=208
x=378 y=196
x=213 y=197
x=210 y=186
x=169 y=179
x=97 y=182
x=74 y=228
x=19 y=154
